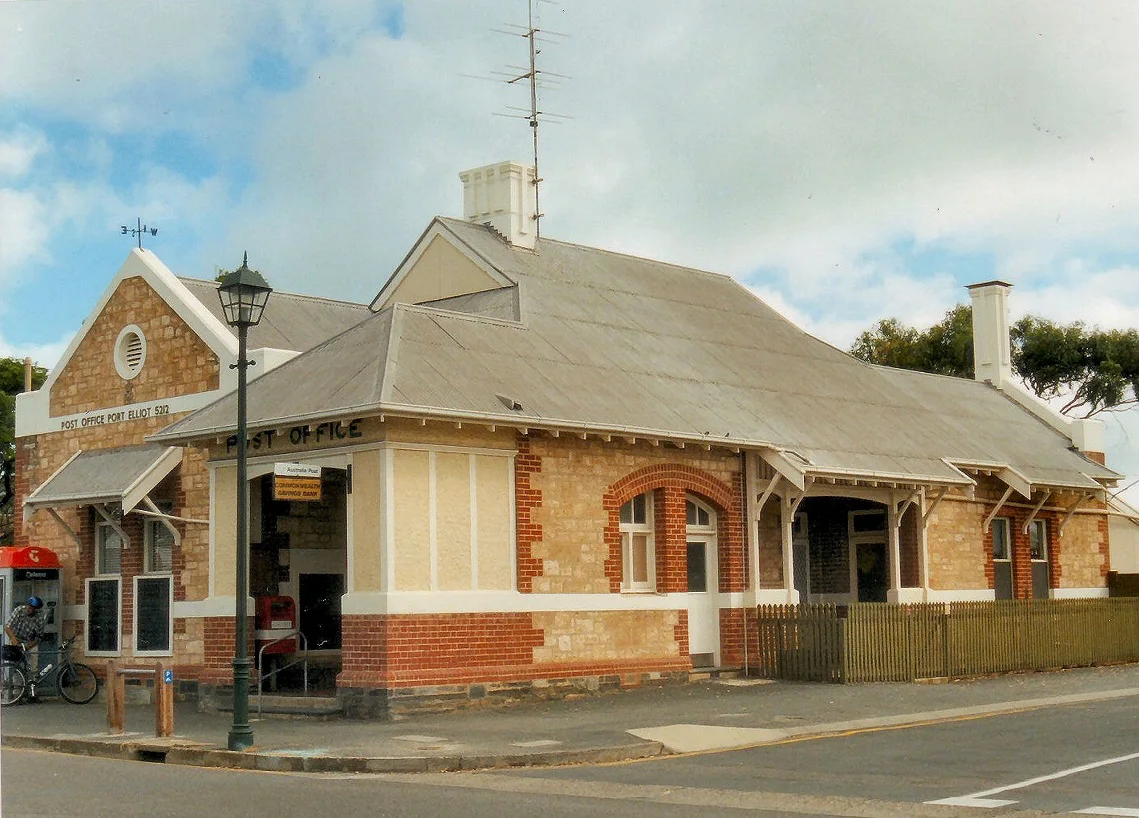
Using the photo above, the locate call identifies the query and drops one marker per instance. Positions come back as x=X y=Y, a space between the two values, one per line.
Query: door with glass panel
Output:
x=1002 y=559
x=703 y=586
x=1038 y=557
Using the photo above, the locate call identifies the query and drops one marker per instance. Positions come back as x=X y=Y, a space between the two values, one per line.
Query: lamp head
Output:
x=243 y=295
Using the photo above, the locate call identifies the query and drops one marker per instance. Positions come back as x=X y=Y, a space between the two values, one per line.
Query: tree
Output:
x=11 y=384
x=945 y=348
x=1092 y=370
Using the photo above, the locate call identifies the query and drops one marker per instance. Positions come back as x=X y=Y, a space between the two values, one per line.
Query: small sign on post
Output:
x=163 y=701
x=296 y=481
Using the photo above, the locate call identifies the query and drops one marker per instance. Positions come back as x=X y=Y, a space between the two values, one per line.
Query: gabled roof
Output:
x=589 y=340
x=291 y=321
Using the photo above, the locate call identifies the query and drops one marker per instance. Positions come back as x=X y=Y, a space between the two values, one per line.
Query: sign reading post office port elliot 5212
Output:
x=296 y=481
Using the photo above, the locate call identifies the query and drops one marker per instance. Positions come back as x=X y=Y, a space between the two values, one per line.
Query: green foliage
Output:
x=1095 y=370
x=945 y=348
x=11 y=384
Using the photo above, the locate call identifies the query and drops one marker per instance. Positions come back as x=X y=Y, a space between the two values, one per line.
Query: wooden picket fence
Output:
x=877 y=642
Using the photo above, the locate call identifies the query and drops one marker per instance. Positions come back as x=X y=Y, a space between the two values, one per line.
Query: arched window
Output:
x=638 y=561
x=697 y=514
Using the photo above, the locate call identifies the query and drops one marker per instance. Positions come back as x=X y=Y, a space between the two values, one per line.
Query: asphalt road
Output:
x=1059 y=760
x=1086 y=755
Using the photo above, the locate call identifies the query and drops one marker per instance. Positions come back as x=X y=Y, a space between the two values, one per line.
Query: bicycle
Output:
x=75 y=681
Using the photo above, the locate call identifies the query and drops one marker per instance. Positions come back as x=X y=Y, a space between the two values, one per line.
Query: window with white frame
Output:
x=154 y=592
x=1038 y=540
x=1002 y=557
x=108 y=549
x=159 y=547
x=638 y=558
x=103 y=616
x=153 y=626
x=696 y=514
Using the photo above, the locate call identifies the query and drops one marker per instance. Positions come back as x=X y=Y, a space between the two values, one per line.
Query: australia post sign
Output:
x=296 y=481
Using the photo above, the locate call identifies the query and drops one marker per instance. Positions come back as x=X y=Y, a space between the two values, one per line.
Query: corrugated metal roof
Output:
x=291 y=321
x=122 y=475
x=615 y=343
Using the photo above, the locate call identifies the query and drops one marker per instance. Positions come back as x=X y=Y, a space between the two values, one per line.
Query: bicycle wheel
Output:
x=78 y=684
x=12 y=684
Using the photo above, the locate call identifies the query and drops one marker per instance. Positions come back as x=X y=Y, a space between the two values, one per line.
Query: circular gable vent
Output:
x=130 y=352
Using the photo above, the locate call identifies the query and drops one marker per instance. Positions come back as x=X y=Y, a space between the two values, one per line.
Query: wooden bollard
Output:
x=163 y=698
x=163 y=701
x=116 y=699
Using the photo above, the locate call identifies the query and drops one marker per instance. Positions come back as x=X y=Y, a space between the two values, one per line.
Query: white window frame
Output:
x=149 y=529
x=1006 y=524
x=1033 y=527
x=169 y=579
x=101 y=529
x=629 y=532
x=115 y=578
x=856 y=538
x=705 y=533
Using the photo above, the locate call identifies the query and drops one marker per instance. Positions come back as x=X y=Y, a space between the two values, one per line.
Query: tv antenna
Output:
x=537 y=79
x=139 y=230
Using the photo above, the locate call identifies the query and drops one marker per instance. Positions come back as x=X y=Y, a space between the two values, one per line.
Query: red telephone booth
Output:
x=275 y=617
x=32 y=571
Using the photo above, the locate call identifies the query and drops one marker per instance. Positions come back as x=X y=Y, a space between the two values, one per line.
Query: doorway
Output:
x=319 y=609
x=702 y=566
x=872 y=571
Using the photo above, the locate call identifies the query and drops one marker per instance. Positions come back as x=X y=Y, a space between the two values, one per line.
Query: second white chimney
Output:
x=992 y=348
x=502 y=196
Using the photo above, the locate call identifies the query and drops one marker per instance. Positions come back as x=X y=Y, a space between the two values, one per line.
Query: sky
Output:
x=848 y=161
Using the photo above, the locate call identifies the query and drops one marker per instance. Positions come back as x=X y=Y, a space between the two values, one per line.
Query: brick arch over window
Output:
x=671 y=484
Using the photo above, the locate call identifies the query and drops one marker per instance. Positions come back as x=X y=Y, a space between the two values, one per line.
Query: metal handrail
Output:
x=261 y=677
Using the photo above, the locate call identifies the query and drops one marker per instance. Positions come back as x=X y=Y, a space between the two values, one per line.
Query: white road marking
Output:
x=1038 y=780
x=969 y=801
x=1126 y=812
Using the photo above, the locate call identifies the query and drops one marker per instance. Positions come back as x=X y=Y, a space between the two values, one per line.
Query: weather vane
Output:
x=139 y=230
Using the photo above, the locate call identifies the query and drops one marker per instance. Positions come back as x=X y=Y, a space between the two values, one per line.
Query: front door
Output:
x=1038 y=557
x=872 y=571
x=703 y=604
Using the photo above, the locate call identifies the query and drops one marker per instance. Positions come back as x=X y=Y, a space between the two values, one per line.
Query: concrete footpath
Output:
x=698 y=717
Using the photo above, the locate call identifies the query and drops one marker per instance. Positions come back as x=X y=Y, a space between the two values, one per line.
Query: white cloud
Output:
x=18 y=150
x=23 y=230
x=814 y=149
x=45 y=355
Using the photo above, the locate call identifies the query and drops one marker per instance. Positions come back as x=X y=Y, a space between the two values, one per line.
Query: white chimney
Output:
x=992 y=353
x=502 y=195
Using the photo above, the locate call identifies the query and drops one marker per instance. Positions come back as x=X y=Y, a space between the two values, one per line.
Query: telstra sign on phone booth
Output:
x=32 y=571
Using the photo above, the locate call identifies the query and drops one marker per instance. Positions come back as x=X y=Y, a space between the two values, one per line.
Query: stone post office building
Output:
x=543 y=467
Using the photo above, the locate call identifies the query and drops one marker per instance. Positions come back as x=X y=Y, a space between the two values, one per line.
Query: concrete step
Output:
x=703 y=674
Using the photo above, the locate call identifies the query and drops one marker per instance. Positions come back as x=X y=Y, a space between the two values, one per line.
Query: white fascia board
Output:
x=146 y=265
x=41 y=422
x=1016 y=481
x=783 y=466
x=166 y=463
x=1086 y=435
x=33 y=407
x=434 y=230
